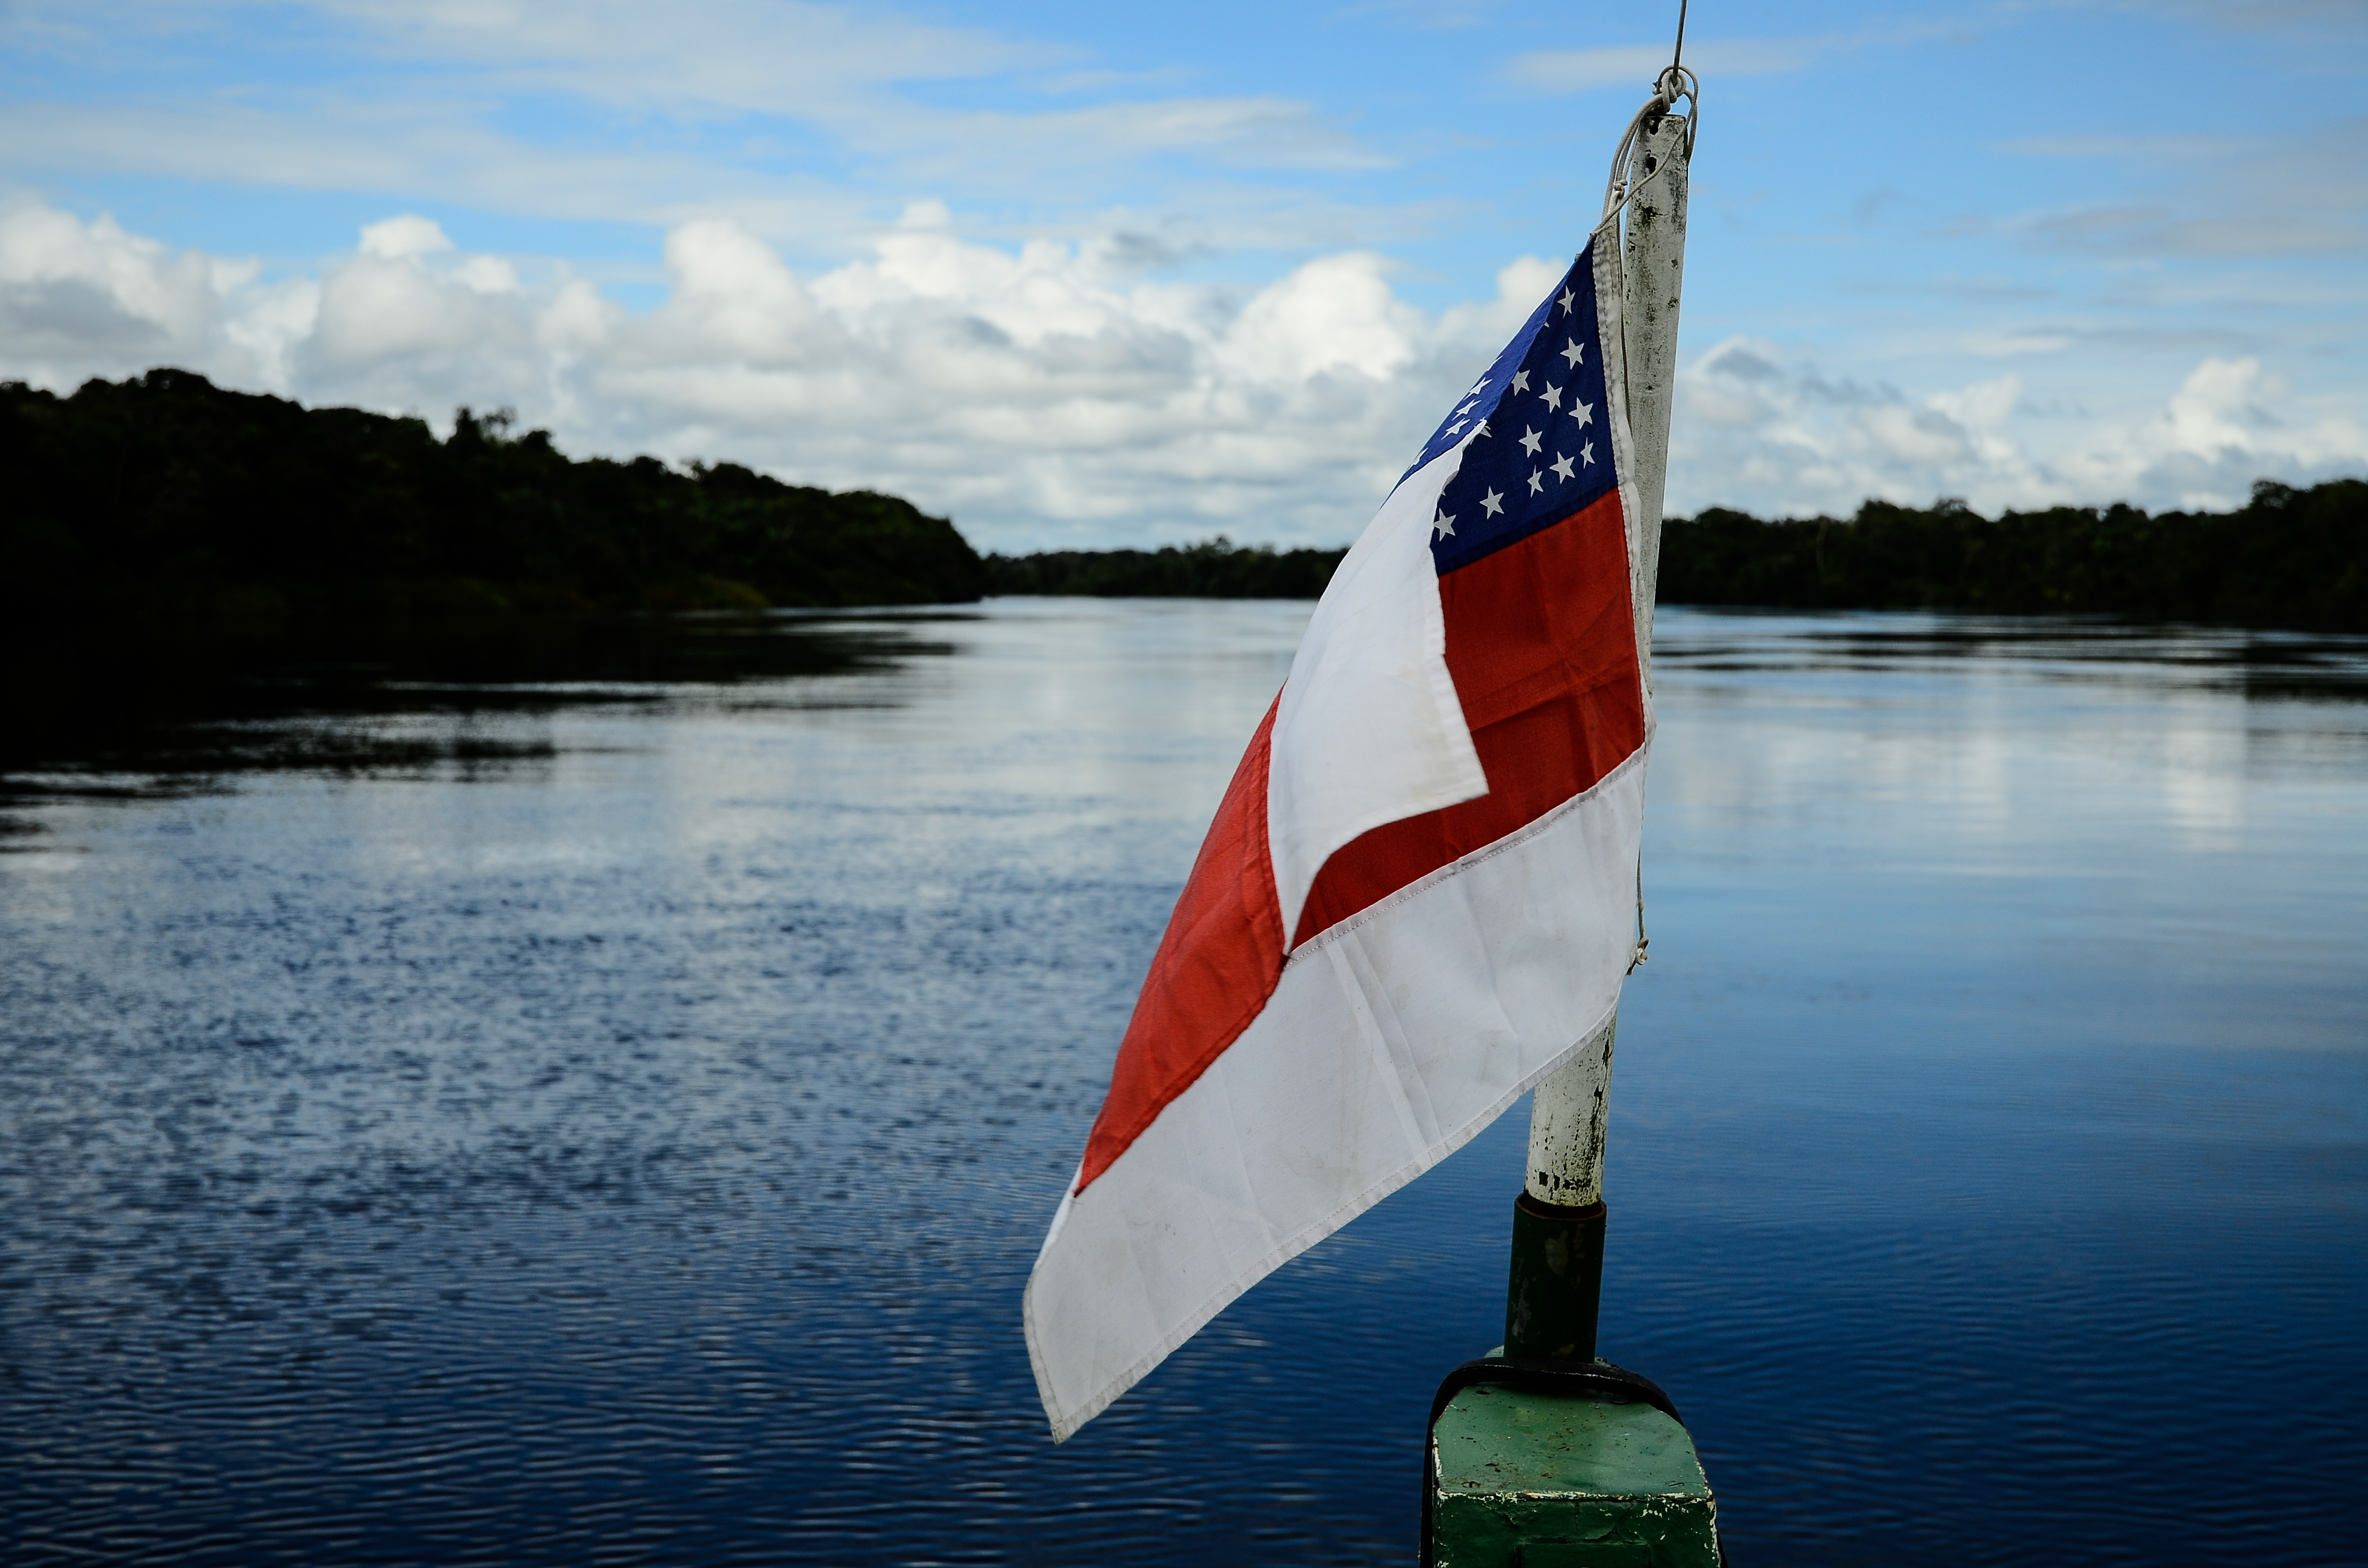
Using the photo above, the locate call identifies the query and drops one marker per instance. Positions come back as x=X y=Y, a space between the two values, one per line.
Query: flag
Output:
x=1416 y=899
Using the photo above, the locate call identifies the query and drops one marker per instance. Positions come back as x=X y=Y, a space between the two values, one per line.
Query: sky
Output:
x=1090 y=275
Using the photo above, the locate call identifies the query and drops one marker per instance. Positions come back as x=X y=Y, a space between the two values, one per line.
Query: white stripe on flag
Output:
x=1370 y=729
x=1390 y=1040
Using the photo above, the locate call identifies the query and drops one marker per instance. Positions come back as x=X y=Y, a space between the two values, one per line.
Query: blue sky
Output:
x=1090 y=275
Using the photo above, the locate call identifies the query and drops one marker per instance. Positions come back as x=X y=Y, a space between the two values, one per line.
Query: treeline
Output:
x=2289 y=558
x=170 y=501
x=1214 y=569
x=166 y=502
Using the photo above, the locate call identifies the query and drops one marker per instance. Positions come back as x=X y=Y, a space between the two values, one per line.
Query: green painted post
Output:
x=1527 y=1480
x=1544 y=1456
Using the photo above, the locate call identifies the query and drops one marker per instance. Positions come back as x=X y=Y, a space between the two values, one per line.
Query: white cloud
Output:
x=405 y=235
x=2230 y=422
x=1035 y=393
x=77 y=298
x=1049 y=393
x=1757 y=431
x=1334 y=313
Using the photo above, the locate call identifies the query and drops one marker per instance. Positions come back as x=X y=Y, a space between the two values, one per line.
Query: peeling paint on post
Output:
x=1557 y=1264
x=1568 y=1119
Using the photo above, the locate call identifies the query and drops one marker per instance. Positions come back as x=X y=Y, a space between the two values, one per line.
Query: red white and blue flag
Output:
x=1416 y=898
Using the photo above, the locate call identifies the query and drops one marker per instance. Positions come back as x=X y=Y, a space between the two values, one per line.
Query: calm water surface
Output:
x=607 y=1116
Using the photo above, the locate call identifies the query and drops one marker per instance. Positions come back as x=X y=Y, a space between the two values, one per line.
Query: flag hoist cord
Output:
x=1675 y=83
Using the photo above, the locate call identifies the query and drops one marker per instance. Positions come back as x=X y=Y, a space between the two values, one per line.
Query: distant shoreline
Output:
x=167 y=511
x=2291 y=559
x=226 y=515
x=1215 y=569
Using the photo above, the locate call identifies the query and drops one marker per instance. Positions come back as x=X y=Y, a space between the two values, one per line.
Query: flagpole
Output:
x=1654 y=277
x=1541 y=1449
x=1552 y=1297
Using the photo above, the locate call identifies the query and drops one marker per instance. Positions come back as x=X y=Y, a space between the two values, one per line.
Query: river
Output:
x=604 y=1112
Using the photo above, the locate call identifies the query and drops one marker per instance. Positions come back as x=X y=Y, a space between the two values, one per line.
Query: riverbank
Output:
x=234 y=516
x=166 y=541
x=2290 y=558
x=1214 y=569
x=168 y=508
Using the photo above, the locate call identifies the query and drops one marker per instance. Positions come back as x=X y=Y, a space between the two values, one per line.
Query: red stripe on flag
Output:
x=1542 y=647
x=1541 y=641
x=1215 y=971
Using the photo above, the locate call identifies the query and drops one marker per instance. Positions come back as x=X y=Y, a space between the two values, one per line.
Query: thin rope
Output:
x=1675 y=83
x=1677 y=54
x=1643 y=941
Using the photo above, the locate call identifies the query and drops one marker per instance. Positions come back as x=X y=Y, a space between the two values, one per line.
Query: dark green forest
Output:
x=2289 y=558
x=1215 y=569
x=165 y=504
x=167 y=501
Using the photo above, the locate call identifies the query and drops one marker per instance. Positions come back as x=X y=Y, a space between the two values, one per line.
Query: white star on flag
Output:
x=1584 y=413
x=1552 y=396
x=1530 y=440
x=1573 y=353
x=1537 y=482
x=1520 y=380
x=1492 y=503
x=1587 y=453
x=1444 y=523
x=1562 y=467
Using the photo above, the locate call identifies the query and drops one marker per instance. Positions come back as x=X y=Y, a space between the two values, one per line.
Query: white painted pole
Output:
x=1568 y=1116
x=1654 y=275
x=1569 y=1112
